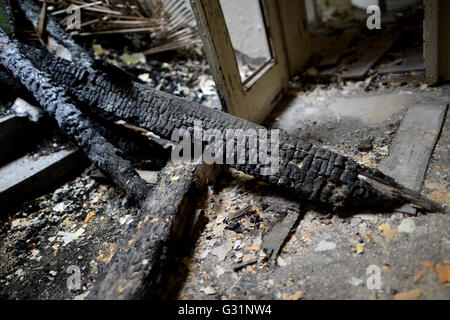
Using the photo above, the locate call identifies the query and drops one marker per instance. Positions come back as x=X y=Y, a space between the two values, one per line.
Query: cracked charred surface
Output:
x=138 y=267
x=54 y=100
x=310 y=172
x=131 y=143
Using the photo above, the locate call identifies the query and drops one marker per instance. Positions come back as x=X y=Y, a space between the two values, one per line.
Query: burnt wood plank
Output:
x=333 y=55
x=308 y=171
x=404 y=67
x=411 y=61
x=371 y=53
x=137 y=268
x=413 y=145
x=273 y=241
x=26 y=178
x=163 y=113
x=72 y=121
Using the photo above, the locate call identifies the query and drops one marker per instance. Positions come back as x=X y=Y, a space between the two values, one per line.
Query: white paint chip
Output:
x=281 y=262
x=59 y=207
x=219 y=271
x=204 y=254
x=208 y=290
x=222 y=250
x=325 y=245
x=68 y=237
x=356 y=281
x=407 y=225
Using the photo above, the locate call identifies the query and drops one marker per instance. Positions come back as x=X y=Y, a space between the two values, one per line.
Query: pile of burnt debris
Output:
x=121 y=122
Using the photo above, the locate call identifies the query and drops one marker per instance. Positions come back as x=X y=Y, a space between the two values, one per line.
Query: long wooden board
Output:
x=25 y=178
x=413 y=145
x=334 y=54
x=413 y=61
x=371 y=53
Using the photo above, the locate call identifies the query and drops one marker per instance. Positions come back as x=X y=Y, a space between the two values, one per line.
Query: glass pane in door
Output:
x=247 y=30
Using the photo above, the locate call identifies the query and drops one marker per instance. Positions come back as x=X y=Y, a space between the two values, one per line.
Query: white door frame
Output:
x=254 y=98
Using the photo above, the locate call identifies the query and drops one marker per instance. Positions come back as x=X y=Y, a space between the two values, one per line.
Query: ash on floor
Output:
x=53 y=239
x=330 y=256
x=184 y=72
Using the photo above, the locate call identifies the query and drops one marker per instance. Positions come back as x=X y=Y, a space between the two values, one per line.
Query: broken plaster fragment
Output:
x=219 y=271
x=325 y=245
x=208 y=290
x=407 y=225
x=281 y=262
x=204 y=254
x=359 y=248
x=60 y=207
x=222 y=250
x=68 y=237
x=218 y=230
x=356 y=281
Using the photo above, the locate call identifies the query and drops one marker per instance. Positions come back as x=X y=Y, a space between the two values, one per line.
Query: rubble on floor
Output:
x=79 y=224
x=324 y=256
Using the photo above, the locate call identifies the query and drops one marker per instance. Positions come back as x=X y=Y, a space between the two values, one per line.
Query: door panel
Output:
x=254 y=97
x=248 y=35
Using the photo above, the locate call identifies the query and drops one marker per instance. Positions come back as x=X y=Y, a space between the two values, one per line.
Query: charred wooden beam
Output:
x=311 y=172
x=137 y=269
x=72 y=121
x=131 y=143
x=8 y=82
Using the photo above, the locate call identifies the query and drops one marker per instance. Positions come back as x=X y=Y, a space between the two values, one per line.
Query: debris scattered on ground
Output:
x=443 y=271
x=407 y=225
x=325 y=245
x=77 y=224
x=413 y=294
x=81 y=222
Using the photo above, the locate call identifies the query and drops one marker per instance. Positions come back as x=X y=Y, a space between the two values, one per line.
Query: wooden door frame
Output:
x=254 y=98
x=436 y=43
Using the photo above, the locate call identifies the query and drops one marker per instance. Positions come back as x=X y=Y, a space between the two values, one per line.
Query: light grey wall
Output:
x=246 y=32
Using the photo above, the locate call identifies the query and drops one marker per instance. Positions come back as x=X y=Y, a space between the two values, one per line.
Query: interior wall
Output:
x=294 y=22
x=444 y=39
x=363 y=4
x=436 y=30
x=244 y=23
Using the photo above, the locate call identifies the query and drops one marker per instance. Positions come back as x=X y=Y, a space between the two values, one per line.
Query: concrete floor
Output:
x=328 y=256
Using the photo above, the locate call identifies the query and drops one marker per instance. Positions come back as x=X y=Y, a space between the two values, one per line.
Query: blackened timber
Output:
x=137 y=268
x=74 y=123
x=131 y=143
x=311 y=172
x=26 y=178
